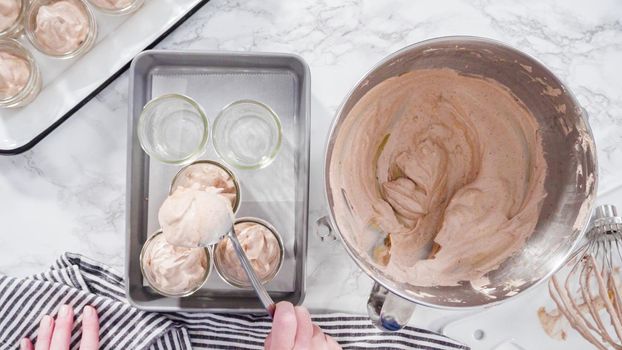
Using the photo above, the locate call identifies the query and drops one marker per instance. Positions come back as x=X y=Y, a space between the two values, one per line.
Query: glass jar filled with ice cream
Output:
x=204 y=174
x=263 y=247
x=117 y=7
x=11 y=15
x=173 y=271
x=20 y=79
x=61 y=28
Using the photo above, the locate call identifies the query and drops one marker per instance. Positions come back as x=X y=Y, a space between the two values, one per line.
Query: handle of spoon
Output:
x=261 y=291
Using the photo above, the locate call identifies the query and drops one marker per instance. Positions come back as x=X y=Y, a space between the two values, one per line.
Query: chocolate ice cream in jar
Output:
x=11 y=15
x=204 y=174
x=263 y=246
x=20 y=80
x=117 y=7
x=61 y=28
x=174 y=271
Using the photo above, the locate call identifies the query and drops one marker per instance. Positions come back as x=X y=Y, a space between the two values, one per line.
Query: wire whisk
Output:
x=587 y=291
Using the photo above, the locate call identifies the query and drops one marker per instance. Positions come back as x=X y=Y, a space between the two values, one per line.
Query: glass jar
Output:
x=197 y=173
x=180 y=253
x=247 y=134
x=31 y=25
x=11 y=23
x=233 y=273
x=173 y=129
x=122 y=7
x=28 y=88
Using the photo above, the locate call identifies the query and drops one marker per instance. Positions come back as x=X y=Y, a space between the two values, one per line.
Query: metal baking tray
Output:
x=278 y=193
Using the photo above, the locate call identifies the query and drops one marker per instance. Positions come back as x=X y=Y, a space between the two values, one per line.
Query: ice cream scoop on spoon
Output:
x=195 y=218
x=198 y=218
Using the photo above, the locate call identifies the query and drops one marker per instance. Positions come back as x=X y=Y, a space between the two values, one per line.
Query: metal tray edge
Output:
x=297 y=297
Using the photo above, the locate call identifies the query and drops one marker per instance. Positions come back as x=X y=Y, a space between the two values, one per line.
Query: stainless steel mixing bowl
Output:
x=570 y=185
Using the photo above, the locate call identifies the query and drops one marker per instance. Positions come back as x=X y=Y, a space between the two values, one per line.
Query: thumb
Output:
x=283 y=327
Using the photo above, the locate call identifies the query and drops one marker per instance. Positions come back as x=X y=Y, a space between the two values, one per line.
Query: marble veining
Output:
x=68 y=193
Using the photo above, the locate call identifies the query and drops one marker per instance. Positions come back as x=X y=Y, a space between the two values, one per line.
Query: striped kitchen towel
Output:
x=80 y=281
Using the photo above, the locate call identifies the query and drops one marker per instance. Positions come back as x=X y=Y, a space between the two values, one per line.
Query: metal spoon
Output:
x=261 y=291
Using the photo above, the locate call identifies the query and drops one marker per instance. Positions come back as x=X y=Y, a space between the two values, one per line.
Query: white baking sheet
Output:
x=67 y=82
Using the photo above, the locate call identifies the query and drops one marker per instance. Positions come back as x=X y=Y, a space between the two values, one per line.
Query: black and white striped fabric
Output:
x=79 y=281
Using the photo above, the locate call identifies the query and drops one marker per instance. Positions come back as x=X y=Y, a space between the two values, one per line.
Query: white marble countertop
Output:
x=68 y=193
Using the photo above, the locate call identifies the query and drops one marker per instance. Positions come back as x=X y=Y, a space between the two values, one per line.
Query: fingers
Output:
x=318 y=340
x=61 y=338
x=268 y=343
x=44 y=336
x=321 y=341
x=292 y=329
x=25 y=344
x=90 y=329
x=332 y=344
x=283 y=327
x=304 y=328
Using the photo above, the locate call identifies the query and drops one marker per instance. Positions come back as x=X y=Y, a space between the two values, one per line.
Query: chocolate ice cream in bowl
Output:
x=61 y=28
x=459 y=172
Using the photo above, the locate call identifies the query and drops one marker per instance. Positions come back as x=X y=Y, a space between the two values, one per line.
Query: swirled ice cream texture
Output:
x=113 y=4
x=14 y=74
x=195 y=218
x=441 y=179
x=206 y=175
x=61 y=27
x=261 y=247
x=9 y=11
x=174 y=270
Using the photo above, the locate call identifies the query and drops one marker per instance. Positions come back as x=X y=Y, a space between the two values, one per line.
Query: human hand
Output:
x=56 y=335
x=292 y=329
